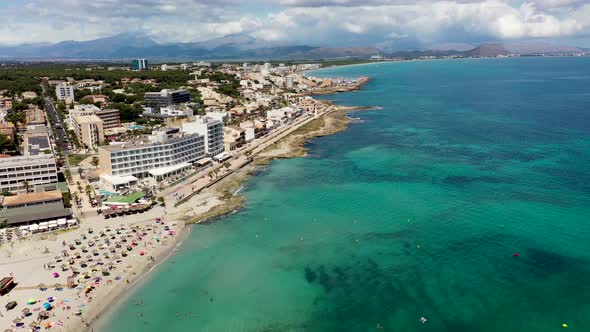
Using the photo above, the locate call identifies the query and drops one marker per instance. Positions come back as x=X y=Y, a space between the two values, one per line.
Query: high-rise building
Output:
x=289 y=82
x=64 y=92
x=139 y=64
x=211 y=129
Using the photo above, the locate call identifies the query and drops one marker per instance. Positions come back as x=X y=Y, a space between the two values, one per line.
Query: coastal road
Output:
x=200 y=181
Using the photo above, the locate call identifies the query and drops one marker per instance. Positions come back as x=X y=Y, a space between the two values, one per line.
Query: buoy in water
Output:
x=564 y=325
x=515 y=254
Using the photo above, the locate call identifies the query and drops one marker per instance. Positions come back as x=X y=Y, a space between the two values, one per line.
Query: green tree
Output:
x=7 y=144
x=68 y=175
x=67 y=197
x=16 y=116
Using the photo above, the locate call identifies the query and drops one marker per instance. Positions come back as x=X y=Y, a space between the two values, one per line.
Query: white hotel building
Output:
x=18 y=173
x=159 y=156
x=211 y=129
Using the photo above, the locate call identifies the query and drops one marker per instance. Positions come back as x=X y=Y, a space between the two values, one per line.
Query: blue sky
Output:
x=397 y=23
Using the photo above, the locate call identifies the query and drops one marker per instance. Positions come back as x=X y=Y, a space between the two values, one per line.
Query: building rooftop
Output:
x=23 y=160
x=37 y=213
x=87 y=119
x=31 y=198
x=142 y=142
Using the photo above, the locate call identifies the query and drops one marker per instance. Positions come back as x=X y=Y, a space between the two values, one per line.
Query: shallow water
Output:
x=415 y=212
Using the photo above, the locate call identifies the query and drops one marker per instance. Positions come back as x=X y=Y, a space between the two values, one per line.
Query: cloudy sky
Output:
x=315 y=22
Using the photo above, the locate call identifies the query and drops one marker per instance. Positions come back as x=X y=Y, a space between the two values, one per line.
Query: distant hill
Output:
x=452 y=47
x=134 y=45
x=541 y=48
x=414 y=54
x=241 y=46
x=487 y=50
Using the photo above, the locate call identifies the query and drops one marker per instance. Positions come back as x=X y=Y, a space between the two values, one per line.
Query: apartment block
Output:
x=110 y=118
x=166 y=98
x=89 y=130
x=64 y=92
x=18 y=173
x=211 y=129
x=233 y=138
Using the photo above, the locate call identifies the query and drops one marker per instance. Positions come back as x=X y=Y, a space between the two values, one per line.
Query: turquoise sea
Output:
x=415 y=211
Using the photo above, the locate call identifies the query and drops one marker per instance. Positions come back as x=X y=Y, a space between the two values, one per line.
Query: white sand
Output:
x=26 y=258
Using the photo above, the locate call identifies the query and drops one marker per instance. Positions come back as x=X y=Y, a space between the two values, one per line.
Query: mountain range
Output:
x=242 y=46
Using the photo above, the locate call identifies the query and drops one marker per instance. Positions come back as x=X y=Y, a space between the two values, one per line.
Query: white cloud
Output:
x=304 y=21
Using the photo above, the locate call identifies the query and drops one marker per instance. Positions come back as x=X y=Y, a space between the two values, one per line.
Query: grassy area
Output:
x=75 y=159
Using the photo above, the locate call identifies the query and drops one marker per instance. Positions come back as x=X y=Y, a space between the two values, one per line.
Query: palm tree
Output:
x=210 y=175
x=68 y=175
x=95 y=161
x=227 y=165
x=27 y=186
x=89 y=191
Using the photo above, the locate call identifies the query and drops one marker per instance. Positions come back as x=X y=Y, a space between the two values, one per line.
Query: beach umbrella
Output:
x=10 y=305
x=57 y=257
x=31 y=301
x=17 y=321
x=47 y=305
x=55 y=275
x=34 y=325
x=41 y=286
x=57 y=285
x=8 y=330
x=26 y=311
x=50 y=299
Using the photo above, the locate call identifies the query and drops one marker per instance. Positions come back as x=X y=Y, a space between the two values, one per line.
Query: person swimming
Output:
x=423 y=320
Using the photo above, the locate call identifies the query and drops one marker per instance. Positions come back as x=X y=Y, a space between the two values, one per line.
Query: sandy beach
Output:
x=107 y=255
